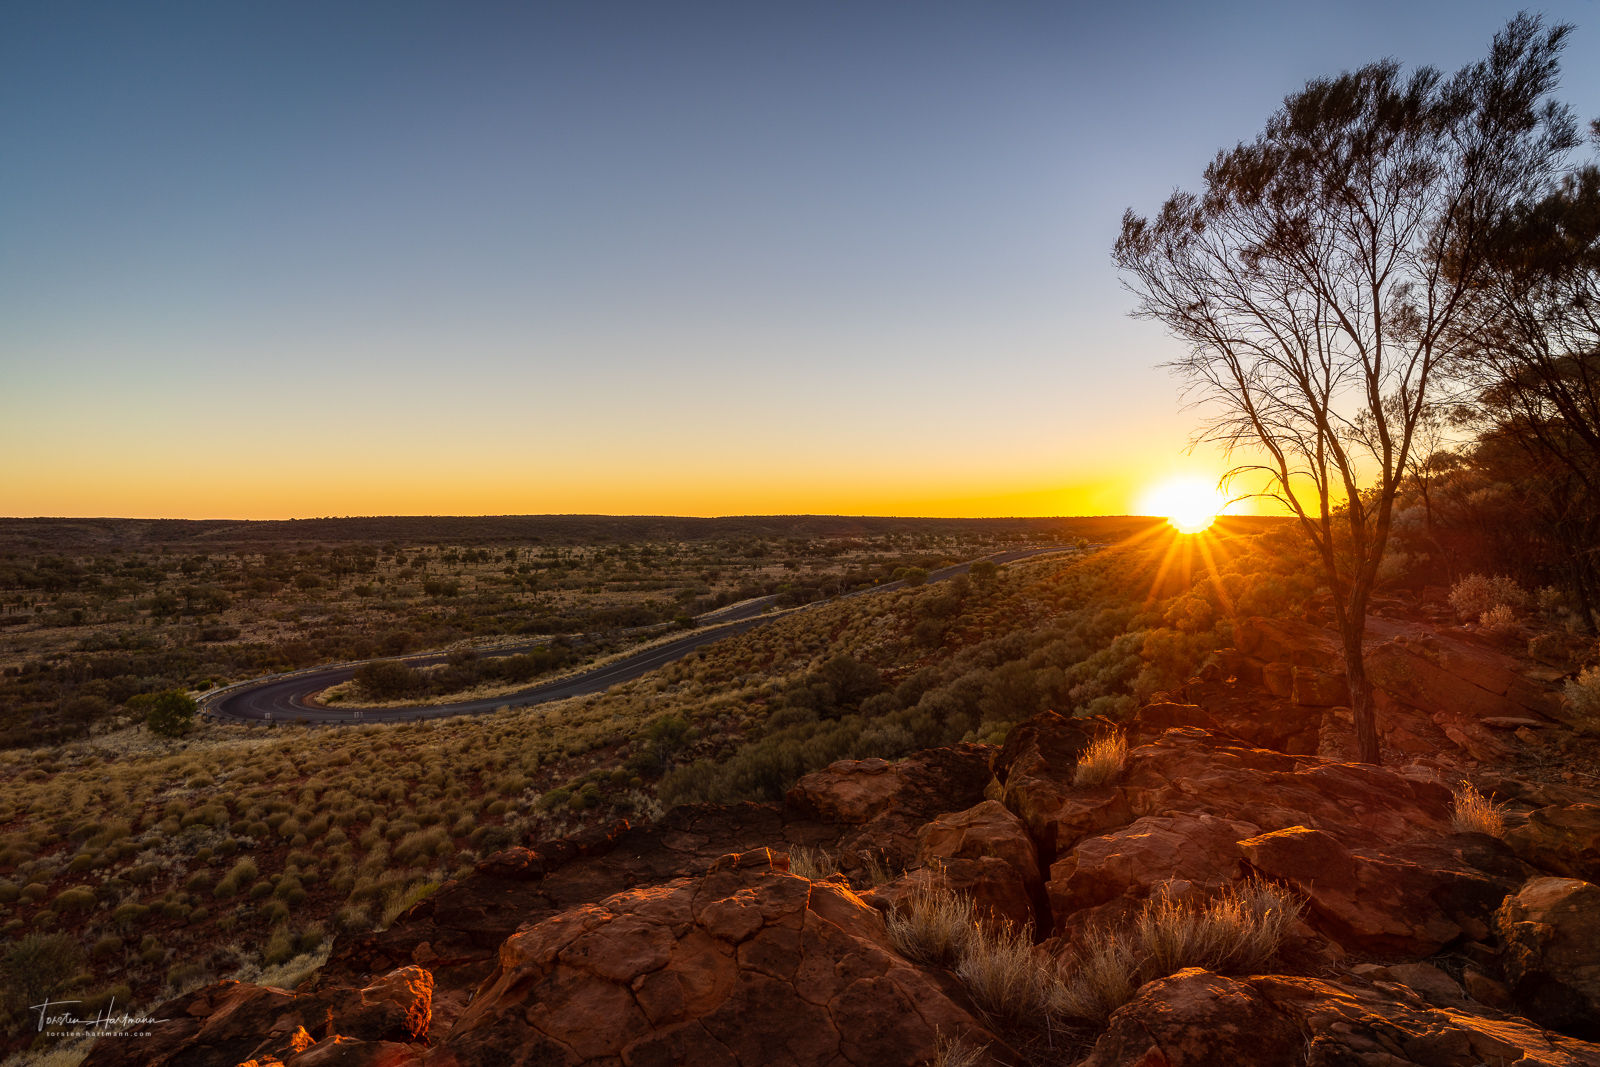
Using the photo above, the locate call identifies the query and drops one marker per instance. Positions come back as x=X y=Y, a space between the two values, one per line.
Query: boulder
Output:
x=229 y=1023
x=884 y=805
x=747 y=964
x=854 y=792
x=1551 y=961
x=1411 y=898
x=1319 y=688
x=1290 y=641
x=1192 y=771
x=1562 y=840
x=986 y=829
x=1442 y=675
x=1035 y=769
x=1199 y=1019
x=984 y=853
x=1200 y=850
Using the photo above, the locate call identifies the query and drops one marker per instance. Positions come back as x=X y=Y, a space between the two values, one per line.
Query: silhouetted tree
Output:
x=1323 y=272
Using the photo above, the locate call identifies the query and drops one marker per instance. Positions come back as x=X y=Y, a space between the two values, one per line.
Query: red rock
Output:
x=396 y=1007
x=986 y=829
x=1318 y=688
x=340 y=1051
x=1370 y=900
x=1199 y=1019
x=1562 y=840
x=745 y=964
x=1291 y=641
x=1551 y=933
x=996 y=888
x=1186 y=770
x=1035 y=768
x=1200 y=850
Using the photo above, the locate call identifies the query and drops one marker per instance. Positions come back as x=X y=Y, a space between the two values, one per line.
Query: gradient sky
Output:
x=292 y=259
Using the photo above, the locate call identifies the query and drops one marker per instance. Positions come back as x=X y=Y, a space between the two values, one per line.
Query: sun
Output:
x=1190 y=504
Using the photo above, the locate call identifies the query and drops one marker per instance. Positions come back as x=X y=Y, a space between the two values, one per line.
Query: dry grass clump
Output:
x=1474 y=813
x=955 y=1052
x=813 y=864
x=1006 y=977
x=1102 y=762
x=1102 y=976
x=934 y=927
x=1237 y=931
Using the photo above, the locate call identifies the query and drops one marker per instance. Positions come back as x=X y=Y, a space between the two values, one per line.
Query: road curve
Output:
x=281 y=697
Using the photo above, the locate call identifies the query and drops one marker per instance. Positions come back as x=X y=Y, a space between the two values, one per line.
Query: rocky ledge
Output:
x=694 y=940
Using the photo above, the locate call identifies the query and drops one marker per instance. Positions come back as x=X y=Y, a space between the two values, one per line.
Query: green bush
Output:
x=36 y=965
x=169 y=713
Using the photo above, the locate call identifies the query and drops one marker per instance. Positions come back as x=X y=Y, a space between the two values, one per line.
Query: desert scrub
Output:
x=1102 y=762
x=1473 y=813
x=1583 y=697
x=1475 y=594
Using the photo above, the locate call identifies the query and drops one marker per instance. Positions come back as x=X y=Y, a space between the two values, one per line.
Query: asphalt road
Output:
x=281 y=697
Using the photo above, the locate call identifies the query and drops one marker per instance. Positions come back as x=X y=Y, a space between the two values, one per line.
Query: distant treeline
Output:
x=218 y=534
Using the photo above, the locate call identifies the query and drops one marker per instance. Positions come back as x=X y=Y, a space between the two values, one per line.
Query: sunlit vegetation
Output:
x=83 y=634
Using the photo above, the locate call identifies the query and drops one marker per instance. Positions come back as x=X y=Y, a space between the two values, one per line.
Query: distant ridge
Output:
x=219 y=534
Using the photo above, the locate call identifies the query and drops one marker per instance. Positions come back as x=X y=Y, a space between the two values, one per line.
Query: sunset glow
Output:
x=1189 y=504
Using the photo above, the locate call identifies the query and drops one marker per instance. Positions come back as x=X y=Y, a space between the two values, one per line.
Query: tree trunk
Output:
x=1352 y=630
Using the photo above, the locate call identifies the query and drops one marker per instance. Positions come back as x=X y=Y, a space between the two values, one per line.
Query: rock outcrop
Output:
x=690 y=941
x=1551 y=930
x=1199 y=1019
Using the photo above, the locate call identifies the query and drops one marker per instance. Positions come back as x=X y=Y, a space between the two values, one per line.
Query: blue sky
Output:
x=336 y=258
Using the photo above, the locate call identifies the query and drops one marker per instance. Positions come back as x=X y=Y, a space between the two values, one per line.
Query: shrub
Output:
x=280 y=947
x=1582 y=693
x=185 y=976
x=1475 y=594
x=109 y=945
x=1102 y=762
x=420 y=844
x=75 y=899
x=170 y=713
x=1498 y=620
x=129 y=913
x=1473 y=813
x=491 y=838
x=35 y=965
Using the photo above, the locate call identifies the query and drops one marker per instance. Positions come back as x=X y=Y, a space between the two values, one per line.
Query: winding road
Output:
x=281 y=697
